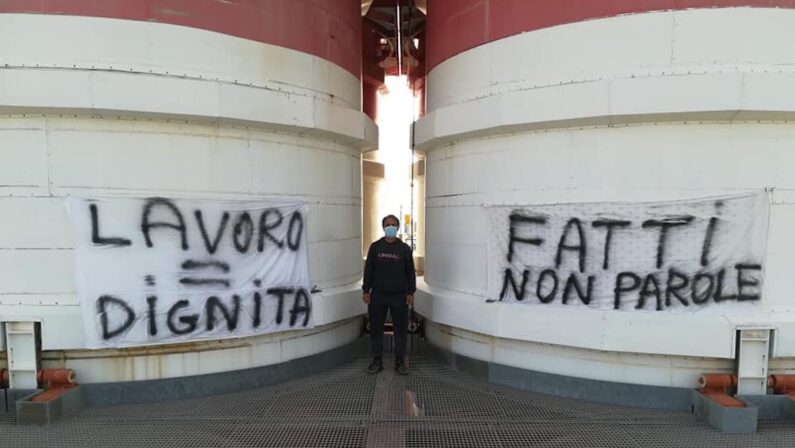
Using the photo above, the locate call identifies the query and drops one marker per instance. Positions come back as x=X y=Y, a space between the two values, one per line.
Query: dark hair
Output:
x=383 y=221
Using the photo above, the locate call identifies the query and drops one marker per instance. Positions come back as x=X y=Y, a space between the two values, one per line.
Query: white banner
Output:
x=684 y=256
x=158 y=270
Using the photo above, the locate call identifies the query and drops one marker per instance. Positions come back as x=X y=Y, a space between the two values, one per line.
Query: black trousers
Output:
x=396 y=304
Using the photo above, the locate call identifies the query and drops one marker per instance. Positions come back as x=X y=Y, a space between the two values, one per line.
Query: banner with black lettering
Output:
x=157 y=270
x=681 y=256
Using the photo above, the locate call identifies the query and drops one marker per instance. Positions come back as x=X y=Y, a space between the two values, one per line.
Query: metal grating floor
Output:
x=345 y=407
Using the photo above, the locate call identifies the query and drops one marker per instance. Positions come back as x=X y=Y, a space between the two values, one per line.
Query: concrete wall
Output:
x=97 y=106
x=641 y=107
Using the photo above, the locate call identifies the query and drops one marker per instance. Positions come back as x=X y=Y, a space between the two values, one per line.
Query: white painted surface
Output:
x=195 y=359
x=134 y=68
x=116 y=45
x=752 y=361
x=586 y=329
x=643 y=107
x=631 y=46
x=636 y=163
x=633 y=368
x=96 y=106
x=651 y=67
x=23 y=363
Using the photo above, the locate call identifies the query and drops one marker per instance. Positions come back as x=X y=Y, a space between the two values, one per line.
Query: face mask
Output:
x=390 y=231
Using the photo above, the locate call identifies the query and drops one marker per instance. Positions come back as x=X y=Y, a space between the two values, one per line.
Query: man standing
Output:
x=389 y=284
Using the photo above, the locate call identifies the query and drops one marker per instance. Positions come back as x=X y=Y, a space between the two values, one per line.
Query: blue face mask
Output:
x=390 y=231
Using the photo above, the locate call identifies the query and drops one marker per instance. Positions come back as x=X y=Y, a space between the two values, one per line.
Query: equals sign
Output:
x=193 y=265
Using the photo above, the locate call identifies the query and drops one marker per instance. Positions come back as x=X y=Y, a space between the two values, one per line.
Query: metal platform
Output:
x=345 y=407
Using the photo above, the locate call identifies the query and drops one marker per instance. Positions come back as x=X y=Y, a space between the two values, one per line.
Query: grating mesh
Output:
x=345 y=407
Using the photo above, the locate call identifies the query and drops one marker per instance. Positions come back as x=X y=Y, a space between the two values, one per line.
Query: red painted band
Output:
x=331 y=30
x=454 y=26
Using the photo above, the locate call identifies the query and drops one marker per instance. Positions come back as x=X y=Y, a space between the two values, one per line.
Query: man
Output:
x=389 y=284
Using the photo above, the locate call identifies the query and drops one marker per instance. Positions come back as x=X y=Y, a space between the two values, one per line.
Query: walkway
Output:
x=345 y=407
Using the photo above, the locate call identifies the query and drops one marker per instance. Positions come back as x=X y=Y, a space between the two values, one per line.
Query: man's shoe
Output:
x=400 y=367
x=375 y=366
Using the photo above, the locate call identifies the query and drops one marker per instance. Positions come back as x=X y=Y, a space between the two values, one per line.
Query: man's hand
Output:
x=409 y=299
x=366 y=297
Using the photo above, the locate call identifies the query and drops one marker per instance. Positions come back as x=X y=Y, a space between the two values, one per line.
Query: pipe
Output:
x=782 y=384
x=717 y=382
x=56 y=377
x=715 y=386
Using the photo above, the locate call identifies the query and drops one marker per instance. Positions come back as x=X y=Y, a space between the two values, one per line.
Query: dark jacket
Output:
x=389 y=268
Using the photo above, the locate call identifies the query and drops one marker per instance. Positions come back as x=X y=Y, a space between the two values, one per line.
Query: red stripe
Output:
x=330 y=29
x=454 y=26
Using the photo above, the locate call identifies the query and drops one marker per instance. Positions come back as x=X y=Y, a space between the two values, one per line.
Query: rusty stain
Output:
x=62 y=356
x=724 y=400
x=150 y=362
x=51 y=394
x=166 y=349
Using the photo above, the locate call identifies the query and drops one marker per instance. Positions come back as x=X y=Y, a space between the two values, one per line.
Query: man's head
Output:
x=391 y=224
x=390 y=220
